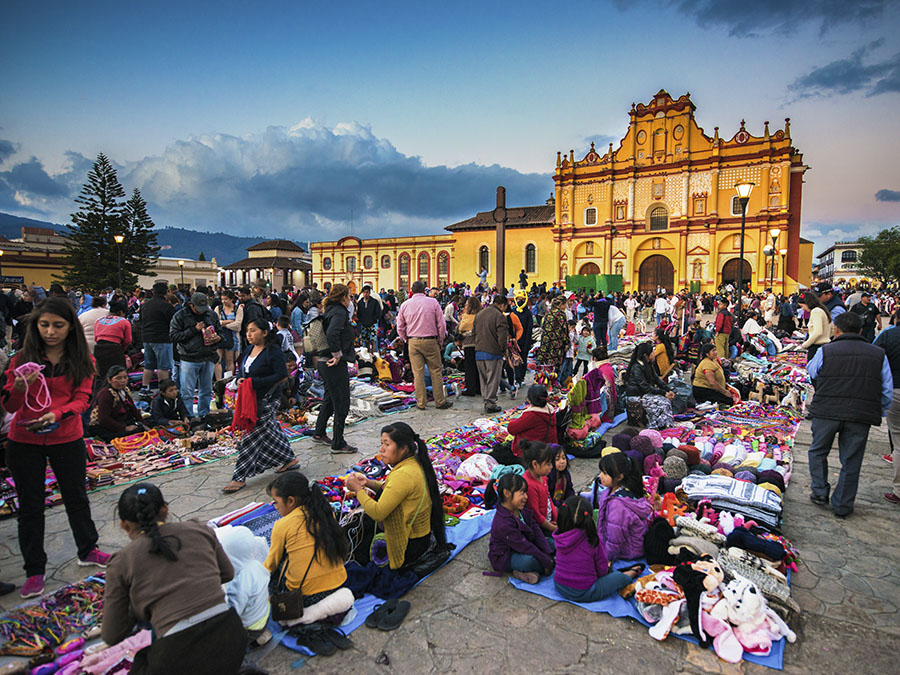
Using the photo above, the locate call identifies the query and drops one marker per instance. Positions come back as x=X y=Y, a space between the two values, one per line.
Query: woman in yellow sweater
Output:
x=819 y=324
x=315 y=546
x=408 y=502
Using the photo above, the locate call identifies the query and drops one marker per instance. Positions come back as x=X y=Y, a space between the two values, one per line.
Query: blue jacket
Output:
x=266 y=370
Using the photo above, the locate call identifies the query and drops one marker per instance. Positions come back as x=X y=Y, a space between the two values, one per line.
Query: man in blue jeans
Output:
x=854 y=389
x=196 y=345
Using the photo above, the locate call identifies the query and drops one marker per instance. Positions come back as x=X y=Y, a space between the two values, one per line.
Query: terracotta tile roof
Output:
x=529 y=216
x=276 y=245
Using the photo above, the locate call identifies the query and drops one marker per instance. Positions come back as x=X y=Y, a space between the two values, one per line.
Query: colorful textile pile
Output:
x=73 y=609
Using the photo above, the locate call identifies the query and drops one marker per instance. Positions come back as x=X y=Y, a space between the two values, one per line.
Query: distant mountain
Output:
x=176 y=242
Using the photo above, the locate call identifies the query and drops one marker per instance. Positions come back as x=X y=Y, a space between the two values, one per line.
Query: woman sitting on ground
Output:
x=170 y=576
x=316 y=548
x=114 y=414
x=641 y=377
x=408 y=501
x=709 y=379
x=663 y=354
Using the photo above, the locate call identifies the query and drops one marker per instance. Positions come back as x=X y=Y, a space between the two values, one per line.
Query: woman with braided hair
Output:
x=408 y=501
x=170 y=576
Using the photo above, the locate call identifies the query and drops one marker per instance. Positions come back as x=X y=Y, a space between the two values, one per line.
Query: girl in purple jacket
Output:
x=582 y=571
x=517 y=543
x=622 y=510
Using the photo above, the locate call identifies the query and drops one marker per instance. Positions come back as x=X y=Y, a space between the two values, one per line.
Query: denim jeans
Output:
x=601 y=329
x=522 y=562
x=565 y=370
x=196 y=375
x=604 y=586
x=614 y=329
x=852 y=437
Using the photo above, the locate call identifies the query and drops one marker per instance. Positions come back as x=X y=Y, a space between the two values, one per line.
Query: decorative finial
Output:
x=571 y=156
x=742 y=124
x=592 y=145
x=767 y=128
x=558 y=159
x=716 y=136
x=787 y=127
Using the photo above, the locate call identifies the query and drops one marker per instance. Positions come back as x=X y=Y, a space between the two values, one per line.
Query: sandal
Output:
x=392 y=619
x=290 y=466
x=380 y=610
x=233 y=487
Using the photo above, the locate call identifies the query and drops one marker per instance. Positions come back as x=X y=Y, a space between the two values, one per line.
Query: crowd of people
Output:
x=69 y=376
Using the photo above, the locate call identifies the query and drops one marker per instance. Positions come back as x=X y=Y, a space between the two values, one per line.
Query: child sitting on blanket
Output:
x=248 y=591
x=559 y=482
x=517 y=543
x=536 y=423
x=310 y=536
x=537 y=458
x=622 y=509
x=582 y=571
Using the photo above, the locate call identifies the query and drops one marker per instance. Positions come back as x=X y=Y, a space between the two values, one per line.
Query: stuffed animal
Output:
x=755 y=624
x=697 y=579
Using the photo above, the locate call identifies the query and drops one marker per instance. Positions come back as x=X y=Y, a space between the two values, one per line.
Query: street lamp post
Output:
x=181 y=265
x=119 y=239
x=774 y=232
x=1 y=262
x=783 y=253
x=743 y=190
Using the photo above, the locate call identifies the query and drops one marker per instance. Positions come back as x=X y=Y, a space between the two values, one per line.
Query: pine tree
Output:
x=92 y=256
x=140 y=250
x=201 y=257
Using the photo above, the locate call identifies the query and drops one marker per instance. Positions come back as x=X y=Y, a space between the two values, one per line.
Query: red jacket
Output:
x=539 y=499
x=534 y=425
x=67 y=402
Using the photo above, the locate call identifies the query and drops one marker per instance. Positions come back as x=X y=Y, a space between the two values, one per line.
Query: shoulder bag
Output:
x=287 y=605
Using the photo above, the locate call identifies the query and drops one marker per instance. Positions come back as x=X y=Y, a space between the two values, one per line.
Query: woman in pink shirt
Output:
x=112 y=335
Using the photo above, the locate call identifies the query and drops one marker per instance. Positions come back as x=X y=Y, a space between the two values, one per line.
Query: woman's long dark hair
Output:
x=321 y=523
x=403 y=435
x=812 y=301
x=141 y=504
x=473 y=305
x=666 y=342
x=639 y=359
x=576 y=513
x=76 y=362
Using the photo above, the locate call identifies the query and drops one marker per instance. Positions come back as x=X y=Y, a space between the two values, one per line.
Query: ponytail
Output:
x=142 y=504
x=510 y=481
x=616 y=463
x=323 y=527
x=576 y=513
x=403 y=435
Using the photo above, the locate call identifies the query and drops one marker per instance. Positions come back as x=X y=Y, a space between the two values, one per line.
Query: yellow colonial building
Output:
x=660 y=210
x=390 y=263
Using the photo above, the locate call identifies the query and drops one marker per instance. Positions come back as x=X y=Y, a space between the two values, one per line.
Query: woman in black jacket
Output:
x=641 y=377
x=265 y=445
x=333 y=369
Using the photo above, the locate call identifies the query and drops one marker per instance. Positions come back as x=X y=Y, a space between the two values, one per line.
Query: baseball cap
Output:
x=866 y=294
x=568 y=294
x=200 y=302
x=823 y=287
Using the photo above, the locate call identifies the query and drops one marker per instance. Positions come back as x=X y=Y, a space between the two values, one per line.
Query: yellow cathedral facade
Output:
x=660 y=210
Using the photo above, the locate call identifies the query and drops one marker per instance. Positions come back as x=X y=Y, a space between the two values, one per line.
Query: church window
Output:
x=443 y=267
x=351 y=263
x=385 y=262
x=484 y=258
x=590 y=216
x=326 y=263
x=368 y=262
x=735 y=206
x=530 y=259
x=659 y=218
x=424 y=266
x=699 y=207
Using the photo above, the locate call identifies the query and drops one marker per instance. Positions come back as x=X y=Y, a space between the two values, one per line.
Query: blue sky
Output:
x=281 y=117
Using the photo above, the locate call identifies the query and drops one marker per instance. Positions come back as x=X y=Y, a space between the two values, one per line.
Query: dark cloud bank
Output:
x=300 y=182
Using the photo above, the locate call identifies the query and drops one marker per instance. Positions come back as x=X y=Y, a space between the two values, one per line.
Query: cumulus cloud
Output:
x=751 y=19
x=887 y=196
x=299 y=182
x=857 y=72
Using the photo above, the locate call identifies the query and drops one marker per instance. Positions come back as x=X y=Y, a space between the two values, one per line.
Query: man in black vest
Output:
x=854 y=389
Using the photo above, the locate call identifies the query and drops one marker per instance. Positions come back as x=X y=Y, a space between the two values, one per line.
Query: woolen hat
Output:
x=650 y=461
x=654 y=436
x=692 y=452
x=642 y=444
x=675 y=467
x=621 y=441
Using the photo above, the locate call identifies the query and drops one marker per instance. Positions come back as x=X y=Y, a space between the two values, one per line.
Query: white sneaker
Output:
x=513 y=392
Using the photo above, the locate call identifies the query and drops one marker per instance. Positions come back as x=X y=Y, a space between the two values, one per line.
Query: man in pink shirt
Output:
x=420 y=323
